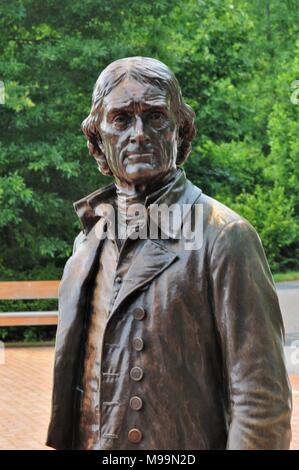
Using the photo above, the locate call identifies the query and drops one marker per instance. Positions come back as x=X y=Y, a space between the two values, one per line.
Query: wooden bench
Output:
x=22 y=290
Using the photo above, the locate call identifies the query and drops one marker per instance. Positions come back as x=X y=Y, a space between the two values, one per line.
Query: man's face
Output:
x=139 y=132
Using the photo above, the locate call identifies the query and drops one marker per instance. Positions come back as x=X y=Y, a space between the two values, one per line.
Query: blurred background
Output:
x=238 y=66
x=237 y=63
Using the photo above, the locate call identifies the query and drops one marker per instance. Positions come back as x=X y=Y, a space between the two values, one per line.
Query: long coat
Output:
x=212 y=366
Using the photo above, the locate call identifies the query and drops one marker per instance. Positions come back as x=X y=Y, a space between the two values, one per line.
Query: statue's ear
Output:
x=95 y=149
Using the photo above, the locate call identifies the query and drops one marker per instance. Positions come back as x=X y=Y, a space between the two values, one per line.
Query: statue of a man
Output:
x=159 y=345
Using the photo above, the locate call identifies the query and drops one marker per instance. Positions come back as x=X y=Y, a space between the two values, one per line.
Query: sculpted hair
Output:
x=143 y=70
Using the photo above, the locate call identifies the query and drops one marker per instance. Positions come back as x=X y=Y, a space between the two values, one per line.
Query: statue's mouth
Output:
x=138 y=157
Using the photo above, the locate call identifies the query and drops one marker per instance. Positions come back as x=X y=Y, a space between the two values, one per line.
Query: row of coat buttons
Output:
x=136 y=374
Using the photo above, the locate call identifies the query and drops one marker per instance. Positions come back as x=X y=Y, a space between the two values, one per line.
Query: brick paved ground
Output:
x=25 y=395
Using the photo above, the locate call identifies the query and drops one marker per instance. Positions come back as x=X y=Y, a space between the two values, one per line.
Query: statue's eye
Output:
x=156 y=116
x=121 y=119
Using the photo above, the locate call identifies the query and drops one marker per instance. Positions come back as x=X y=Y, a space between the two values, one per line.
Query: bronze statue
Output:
x=160 y=346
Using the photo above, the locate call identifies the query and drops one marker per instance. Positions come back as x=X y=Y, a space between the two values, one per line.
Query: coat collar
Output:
x=181 y=192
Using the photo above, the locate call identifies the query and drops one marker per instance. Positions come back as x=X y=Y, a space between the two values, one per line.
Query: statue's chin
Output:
x=140 y=173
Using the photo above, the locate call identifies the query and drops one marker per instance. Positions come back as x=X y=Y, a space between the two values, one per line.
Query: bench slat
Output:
x=28 y=318
x=23 y=290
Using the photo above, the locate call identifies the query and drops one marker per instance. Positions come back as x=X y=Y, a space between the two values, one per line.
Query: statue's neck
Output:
x=131 y=198
x=136 y=193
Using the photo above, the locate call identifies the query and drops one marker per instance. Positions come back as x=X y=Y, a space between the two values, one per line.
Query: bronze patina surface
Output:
x=159 y=346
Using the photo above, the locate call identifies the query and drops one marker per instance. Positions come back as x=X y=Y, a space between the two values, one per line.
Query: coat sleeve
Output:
x=251 y=332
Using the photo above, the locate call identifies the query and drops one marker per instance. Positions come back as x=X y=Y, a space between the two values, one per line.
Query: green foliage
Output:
x=27 y=334
x=235 y=61
x=271 y=212
x=286 y=276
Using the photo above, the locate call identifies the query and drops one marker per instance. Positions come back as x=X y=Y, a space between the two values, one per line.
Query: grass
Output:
x=287 y=276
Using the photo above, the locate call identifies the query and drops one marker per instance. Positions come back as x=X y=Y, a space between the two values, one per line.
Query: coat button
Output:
x=139 y=313
x=118 y=280
x=135 y=435
x=138 y=344
x=136 y=373
x=136 y=403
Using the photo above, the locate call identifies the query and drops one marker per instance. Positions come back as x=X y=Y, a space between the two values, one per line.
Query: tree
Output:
x=229 y=58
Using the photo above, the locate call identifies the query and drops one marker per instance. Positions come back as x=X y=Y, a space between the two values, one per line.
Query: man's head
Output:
x=139 y=126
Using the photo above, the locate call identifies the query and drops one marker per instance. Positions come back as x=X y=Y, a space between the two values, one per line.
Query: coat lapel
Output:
x=151 y=261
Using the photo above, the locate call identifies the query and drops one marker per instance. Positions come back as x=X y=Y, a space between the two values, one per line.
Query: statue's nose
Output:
x=138 y=132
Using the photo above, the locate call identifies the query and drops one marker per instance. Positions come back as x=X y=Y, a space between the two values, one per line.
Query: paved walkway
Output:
x=25 y=395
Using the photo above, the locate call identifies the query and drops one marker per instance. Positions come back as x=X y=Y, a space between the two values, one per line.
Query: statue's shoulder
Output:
x=217 y=218
x=217 y=211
